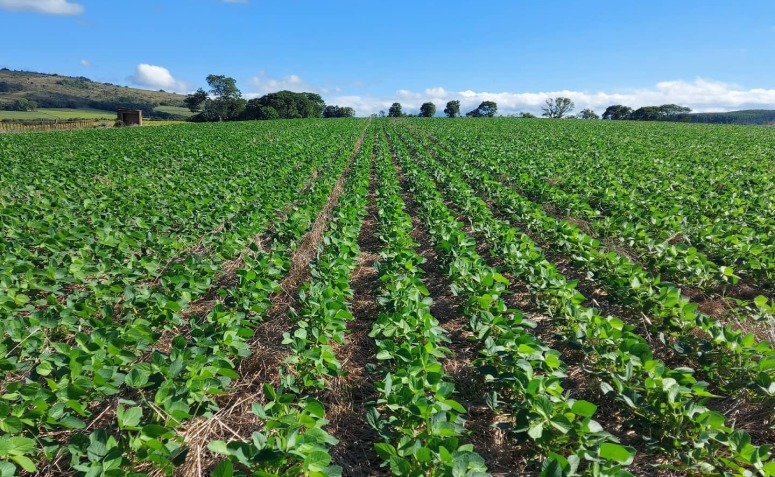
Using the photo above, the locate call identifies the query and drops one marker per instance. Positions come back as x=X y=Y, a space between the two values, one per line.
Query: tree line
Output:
x=666 y=112
x=486 y=109
x=224 y=102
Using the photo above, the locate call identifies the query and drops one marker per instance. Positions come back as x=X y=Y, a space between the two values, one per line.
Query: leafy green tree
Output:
x=526 y=115
x=338 y=112
x=381 y=113
x=486 y=109
x=395 y=110
x=557 y=107
x=427 y=110
x=24 y=104
x=285 y=105
x=227 y=100
x=668 y=110
x=617 y=112
x=224 y=101
x=194 y=101
x=453 y=109
x=267 y=113
x=647 y=113
x=587 y=114
x=314 y=108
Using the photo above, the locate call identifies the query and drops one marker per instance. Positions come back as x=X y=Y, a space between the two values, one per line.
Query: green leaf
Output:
x=137 y=378
x=16 y=445
x=552 y=361
x=423 y=454
x=385 y=451
x=154 y=430
x=44 y=368
x=317 y=460
x=98 y=449
x=129 y=417
x=315 y=408
x=7 y=469
x=536 y=431
x=72 y=422
x=224 y=469
x=584 y=408
x=619 y=453
x=219 y=447
x=24 y=462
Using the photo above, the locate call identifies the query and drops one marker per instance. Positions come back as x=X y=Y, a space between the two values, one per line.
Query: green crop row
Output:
x=293 y=440
x=700 y=193
x=415 y=415
x=733 y=359
x=525 y=375
x=671 y=402
x=107 y=366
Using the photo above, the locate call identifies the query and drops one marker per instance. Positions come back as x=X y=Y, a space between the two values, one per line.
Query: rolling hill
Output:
x=80 y=93
x=747 y=116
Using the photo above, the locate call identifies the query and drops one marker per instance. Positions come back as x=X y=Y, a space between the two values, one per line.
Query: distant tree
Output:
x=227 y=100
x=647 y=113
x=453 y=109
x=338 y=112
x=395 y=110
x=314 y=108
x=526 y=115
x=668 y=110
x=617 y=112
x=427 y=110
x=24 y=104
x=194 y=101
x=587 y=114
x=485 y=109
x=557 y=107
x=285 y=105
x=224 y=101
x=382 y=113
x=267 y=113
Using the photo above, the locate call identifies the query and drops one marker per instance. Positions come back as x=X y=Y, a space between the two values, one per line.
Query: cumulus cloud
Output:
x=701 y=95
x=262 y=84
x=156 y=77
x=48 y=7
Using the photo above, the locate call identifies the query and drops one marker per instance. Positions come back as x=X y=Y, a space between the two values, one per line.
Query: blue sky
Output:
x=710 y=55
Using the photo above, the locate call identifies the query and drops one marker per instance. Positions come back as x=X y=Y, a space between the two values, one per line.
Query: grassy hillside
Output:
x=748 y=116
x=60 y=92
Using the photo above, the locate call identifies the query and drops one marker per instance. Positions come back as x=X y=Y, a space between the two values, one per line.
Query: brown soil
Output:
x=348 y=395
x=235 y=420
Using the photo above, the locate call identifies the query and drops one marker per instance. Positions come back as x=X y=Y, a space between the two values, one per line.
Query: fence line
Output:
x=51 y=125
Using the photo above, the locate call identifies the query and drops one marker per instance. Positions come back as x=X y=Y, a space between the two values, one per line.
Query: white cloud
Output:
x=85 y=63
x=701 y=95
x=262 y=84
x=156 y=77
x=48 y=7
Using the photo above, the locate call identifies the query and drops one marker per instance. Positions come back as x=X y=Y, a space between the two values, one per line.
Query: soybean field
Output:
x=402 y=296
